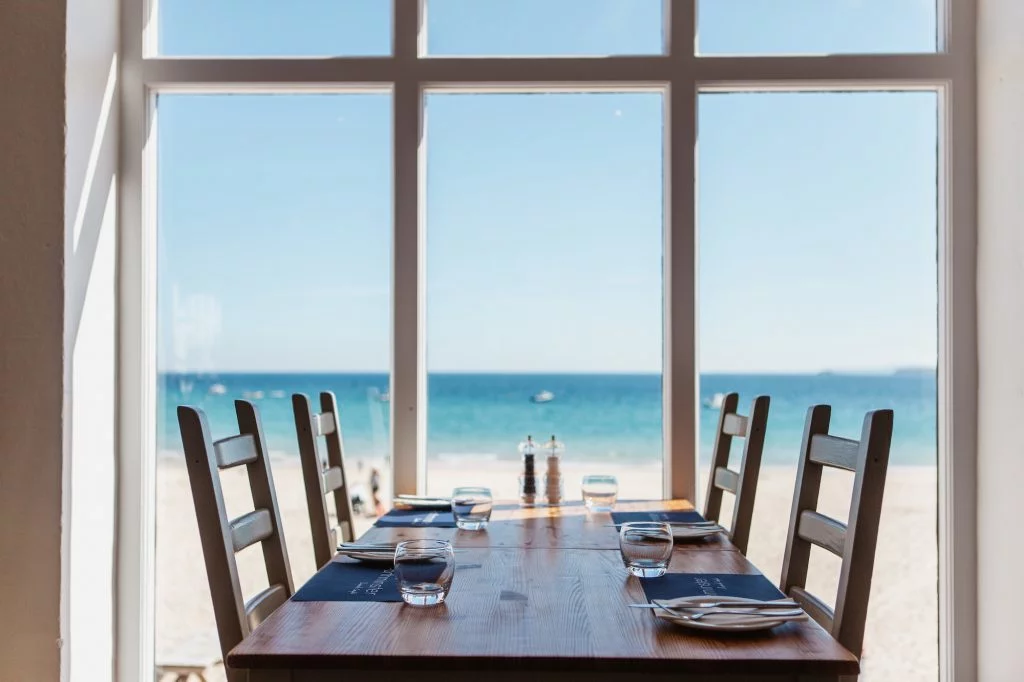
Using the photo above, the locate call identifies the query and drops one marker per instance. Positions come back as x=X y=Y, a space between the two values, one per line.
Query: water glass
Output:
x=646 y=548
x=424 y=570
x=472 y=507
x=599 y=492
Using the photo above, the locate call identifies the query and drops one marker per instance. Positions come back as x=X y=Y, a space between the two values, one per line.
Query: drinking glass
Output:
x=599 y=492
x=424 y=570
x=646 y=548
x=472 y=507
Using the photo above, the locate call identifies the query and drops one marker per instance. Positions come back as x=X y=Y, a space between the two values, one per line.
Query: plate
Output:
x=687 y=533
x=728 y=622
x=382 y=558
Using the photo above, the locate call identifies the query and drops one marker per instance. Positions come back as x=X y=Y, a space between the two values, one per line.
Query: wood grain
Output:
x=544 y=609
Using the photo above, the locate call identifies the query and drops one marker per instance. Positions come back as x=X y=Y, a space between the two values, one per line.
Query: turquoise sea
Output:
x=610 y=417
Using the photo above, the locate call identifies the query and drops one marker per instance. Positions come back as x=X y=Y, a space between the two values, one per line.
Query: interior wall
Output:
x=90 y=335
x=1000 y=337
x=31 y=335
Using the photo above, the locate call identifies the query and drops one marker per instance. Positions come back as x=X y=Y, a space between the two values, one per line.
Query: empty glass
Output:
x=599 y=492
x=424 y=570
x=646 y=548
x=472 y=507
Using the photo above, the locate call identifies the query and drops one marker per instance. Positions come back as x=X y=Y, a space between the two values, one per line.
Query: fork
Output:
x=759 y=615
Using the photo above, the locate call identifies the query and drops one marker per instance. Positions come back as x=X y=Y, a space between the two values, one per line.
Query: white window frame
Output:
x=407 y=73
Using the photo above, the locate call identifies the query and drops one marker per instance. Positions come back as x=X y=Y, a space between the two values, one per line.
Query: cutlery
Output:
x=421 y=498
x=724 y=603
x=677 y=524
x=750 y=615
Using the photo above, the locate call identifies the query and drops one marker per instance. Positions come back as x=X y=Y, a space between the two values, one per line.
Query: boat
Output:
x=277 y=394
x=252 y=395
x=218 y=389
x=542 y=397
x=715 y=401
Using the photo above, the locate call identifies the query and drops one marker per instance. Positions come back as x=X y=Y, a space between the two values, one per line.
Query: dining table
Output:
x=541 y=594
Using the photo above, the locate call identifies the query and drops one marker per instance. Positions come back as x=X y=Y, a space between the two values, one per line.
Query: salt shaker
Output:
x=553 y=478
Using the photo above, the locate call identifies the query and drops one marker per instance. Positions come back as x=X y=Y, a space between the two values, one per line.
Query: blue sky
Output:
x=544 y=212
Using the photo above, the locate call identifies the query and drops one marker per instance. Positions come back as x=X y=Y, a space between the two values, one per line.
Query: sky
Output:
x=544 y=212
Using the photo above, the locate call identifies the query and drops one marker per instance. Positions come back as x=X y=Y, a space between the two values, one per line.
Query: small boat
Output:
x=277 y=394
x=218 y=389
x=384 y=397
x=715 y=401
x=542 y=397
x=254 y=395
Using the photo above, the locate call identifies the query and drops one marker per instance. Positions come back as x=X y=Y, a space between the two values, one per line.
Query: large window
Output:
x=478 y=220
x=818 y=246
x=273 y=256
x=544 y=288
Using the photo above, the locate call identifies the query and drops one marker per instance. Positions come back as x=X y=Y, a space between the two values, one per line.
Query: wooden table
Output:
x=542 y=594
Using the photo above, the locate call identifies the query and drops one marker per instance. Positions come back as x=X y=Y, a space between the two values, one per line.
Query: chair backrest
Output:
x=742 y=483
x=221 y=537
x=854 y=542
x=323 y=477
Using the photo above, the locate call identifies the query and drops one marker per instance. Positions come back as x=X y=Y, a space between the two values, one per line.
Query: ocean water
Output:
x=612 y=417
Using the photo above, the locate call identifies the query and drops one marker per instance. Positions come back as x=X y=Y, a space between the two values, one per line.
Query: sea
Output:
x=599 y=417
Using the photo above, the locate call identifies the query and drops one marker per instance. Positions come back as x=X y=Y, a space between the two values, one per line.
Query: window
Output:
x=544 y=247
x=471 y=203
x=273 y=254
x=818 y=242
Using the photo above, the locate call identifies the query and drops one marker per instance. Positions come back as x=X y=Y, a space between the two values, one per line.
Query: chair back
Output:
x=221 y=537
x=854 y=542
x=323 y=477
x=743 y=483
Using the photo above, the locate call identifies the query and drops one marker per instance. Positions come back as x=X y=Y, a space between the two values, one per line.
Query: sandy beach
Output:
x=902 y=623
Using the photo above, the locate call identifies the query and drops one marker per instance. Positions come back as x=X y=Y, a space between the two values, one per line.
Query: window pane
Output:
x=544 y=27
x=818 y=276
x=816 y=26
x=269 y=28
x=274 y=243
x=544 y=247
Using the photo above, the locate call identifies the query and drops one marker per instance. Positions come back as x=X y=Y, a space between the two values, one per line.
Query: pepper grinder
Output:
x=553 y=478
x=528 y=479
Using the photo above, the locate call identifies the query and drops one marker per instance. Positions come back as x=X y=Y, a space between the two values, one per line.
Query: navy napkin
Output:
x=416 y=518
x=351 y=581
x=675 y=585
x=662 y=516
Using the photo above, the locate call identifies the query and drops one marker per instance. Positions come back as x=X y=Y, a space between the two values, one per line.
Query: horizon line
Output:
x=780 y=372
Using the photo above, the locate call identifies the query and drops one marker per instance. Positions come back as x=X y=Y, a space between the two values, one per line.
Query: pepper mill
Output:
x=528 y=479
x=553 y=478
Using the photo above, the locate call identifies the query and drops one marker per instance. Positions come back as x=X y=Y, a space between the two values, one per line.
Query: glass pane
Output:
x=544 y=27
x=272 y=28
x=544 y=287
x=816 y=26
x=818 y=241
x=274 y=248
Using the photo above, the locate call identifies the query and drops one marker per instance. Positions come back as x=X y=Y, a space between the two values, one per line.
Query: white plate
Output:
x=370 y=557
x=726 y=622
x=687 y=533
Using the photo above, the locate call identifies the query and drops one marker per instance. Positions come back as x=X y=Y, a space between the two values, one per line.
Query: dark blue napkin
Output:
x=663 y=516
x=351 y=581
x=675 y=585
x=416 y=518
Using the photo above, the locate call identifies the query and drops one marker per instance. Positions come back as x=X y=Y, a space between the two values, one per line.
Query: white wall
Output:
x=90 y=408
x=1000 y=339
x=31 y=336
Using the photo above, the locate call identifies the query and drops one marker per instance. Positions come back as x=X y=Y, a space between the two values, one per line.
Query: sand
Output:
x=901 y=639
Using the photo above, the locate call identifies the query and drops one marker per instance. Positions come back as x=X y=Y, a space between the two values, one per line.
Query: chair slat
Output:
x=834 y=451
x=324 y=423
x=236 y=450
x=815 y=608
x=248 y=529
x=259 y=608
x=824 y=531
x=333 y=479
x=727 y=479
x=735 y=425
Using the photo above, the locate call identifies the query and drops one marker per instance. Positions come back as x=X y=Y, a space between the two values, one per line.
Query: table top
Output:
x=540 y=589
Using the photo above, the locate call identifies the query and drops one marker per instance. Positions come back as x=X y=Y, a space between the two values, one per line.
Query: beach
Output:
x=900 y=643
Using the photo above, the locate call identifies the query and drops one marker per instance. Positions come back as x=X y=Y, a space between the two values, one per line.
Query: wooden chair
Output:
x=223 y=538
x=323 y=477
x=853 y=542
x=742 y=484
